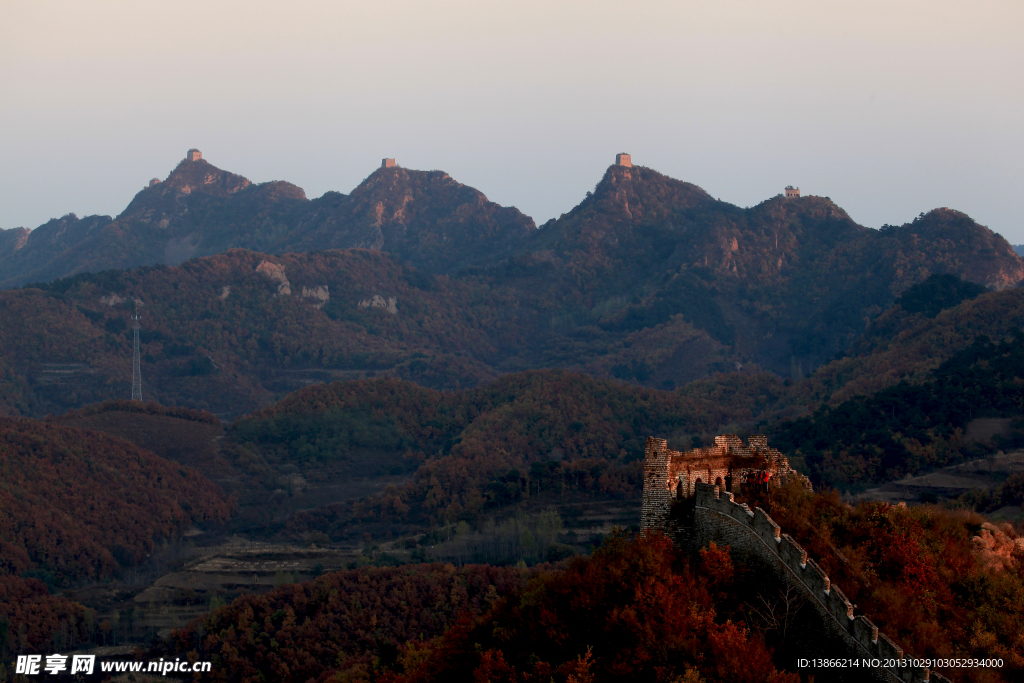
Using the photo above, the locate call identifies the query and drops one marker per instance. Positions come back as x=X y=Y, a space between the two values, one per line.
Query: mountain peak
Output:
x=630 y=194
x=195 y=174
x=192 y=176
x=387 y=179
x=424 y=217
x=646 y=184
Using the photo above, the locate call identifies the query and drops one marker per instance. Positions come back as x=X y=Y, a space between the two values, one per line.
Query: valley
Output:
x=979 y=479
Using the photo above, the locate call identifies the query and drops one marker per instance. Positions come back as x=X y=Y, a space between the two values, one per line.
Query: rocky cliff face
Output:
x=638 y=216
x=199 y=176
x=998 y=547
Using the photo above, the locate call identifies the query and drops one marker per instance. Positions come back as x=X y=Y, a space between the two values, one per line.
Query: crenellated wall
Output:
x=754 y=535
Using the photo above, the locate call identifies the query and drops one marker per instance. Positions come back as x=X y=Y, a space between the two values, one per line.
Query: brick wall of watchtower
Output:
x=657 y=497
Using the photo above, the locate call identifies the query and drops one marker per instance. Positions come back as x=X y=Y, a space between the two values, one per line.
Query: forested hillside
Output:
x=911 y=428
x=80 y=506
x=232 y=333
x=392 y=427
x=903 y=344
x=470 y=453
x=474 y=452
x=188 y=437
x=228 y=333
x=495 y=441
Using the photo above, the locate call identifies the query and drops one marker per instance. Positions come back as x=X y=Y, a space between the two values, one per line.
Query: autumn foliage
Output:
x=32 y=620
x=914 y=572
x=79 y=504
x=346 y=624
x=634 y=611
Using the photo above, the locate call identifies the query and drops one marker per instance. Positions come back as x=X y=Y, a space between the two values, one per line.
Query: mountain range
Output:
x=424 y=217
x=249 y=291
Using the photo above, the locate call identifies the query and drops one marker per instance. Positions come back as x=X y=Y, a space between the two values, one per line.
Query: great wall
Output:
x=672 y=477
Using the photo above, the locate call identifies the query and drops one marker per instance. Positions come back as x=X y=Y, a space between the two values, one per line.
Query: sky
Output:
x=888 y=107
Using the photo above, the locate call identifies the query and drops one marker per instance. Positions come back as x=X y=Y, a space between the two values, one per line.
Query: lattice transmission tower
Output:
x=136 y=372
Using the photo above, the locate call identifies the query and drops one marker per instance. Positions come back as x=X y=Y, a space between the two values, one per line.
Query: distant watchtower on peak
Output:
x=193 y=155
x=792 y=191
x=387 y=163
x=154 y=181
x=623 y=159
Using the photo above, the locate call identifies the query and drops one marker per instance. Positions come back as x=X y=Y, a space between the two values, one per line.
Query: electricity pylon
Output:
x=136 y=372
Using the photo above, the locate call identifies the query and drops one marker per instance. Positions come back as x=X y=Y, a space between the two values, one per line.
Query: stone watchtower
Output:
x=792 y=192
x=622 y=159
x=193 y=155
x=729 y=464
x=387 y=163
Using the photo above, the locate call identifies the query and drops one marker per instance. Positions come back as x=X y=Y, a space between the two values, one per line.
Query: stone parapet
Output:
x=765 y=527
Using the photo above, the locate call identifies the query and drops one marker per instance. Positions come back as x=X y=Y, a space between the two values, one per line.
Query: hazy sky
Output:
x=888 y=107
